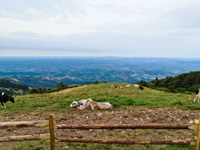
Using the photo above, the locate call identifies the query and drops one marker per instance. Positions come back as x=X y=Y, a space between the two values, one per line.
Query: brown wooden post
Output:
x=198 y=134
x=51 y=130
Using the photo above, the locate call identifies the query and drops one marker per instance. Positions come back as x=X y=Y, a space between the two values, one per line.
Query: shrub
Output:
x=96 y=82
x=163 y=89
x=181 y=90
x=33 y=91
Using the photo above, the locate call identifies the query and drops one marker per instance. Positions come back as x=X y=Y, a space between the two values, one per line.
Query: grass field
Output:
x=118 y=97
x=124 y=99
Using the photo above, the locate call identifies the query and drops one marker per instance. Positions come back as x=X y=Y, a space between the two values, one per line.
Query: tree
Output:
x=33 y=91
x=96 y=82
x=162 y=84
x=197 y=79
x=156 y=82
x=61 y=86
x=171 y=88
x=177 y=83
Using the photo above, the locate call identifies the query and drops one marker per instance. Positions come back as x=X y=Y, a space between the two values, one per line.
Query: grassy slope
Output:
x=120 y=98
x=125 y=98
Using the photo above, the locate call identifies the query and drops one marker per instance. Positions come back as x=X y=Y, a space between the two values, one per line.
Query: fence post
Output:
x=51 y=130
x=198 y=134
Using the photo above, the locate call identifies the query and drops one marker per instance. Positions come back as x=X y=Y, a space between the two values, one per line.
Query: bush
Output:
x=34 y=91
x=181 y=90
x=194 y=88
x=96 y=82
x=163 y=89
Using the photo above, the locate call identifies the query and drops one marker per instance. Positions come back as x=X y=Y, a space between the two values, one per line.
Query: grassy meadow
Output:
x=122 y=99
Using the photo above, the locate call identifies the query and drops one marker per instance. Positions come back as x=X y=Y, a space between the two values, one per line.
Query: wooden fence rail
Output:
x=124 y=126
x=25 y=138
x=22 y=123
x=159 y=142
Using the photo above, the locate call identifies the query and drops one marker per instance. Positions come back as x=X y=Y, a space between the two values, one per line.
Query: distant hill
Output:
x=180 y=83
x=12 y=88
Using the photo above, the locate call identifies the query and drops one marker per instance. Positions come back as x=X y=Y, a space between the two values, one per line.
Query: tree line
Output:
x=60 y=86
x=183 y=83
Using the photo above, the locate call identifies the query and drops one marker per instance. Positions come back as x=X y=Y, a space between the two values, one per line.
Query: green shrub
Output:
x=181 y=90
x=163 y=89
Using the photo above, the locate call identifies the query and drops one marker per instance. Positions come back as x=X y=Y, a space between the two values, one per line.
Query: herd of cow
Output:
x=86 y=103
x=134 y=85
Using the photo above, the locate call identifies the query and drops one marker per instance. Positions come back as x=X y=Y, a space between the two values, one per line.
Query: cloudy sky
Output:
x=132 y=28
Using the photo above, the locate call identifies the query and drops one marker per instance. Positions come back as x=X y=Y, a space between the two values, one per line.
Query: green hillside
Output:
x=186 y=82
x=12 y=88
x=123 y=98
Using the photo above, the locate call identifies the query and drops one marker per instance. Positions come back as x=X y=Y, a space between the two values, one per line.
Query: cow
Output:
x=80 y=104
x=128 y=85
x=4 y=98
x=197 y=95
x=110 y=86
x=136 y=85
x=99 y=105
x=75 y=104
x=141 y=88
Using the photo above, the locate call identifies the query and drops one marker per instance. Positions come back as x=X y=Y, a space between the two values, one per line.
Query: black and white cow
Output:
x=197 y=95
x=141 y=88
x=80 y=104
x=4 y=98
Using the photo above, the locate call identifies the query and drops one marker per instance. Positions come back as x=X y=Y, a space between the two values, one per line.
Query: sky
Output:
x=122 y=28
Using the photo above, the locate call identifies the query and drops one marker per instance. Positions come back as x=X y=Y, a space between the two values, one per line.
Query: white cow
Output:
x=99 y=105
x=197 y=95
x=80 y=104
x=136 y=85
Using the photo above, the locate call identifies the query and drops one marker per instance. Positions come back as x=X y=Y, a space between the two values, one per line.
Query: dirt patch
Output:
x=137 y=116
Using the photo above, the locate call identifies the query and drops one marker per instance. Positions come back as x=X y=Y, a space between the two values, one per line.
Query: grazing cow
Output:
x=128 y=85
x=120 y=87
x=197 y=95
x=98 y=105
x=136 y=85
x=4 y=98
x=141 y=88
x=110 y=86
x=115 y=86
x=80 y=104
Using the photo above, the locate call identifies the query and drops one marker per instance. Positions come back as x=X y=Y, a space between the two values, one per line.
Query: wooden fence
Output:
x=52 y=136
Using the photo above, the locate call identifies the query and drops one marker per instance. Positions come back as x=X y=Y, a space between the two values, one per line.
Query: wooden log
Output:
x=51 y=130
x=123 y=126
x=159 y=142
x=25 y=137
x=20 y=123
